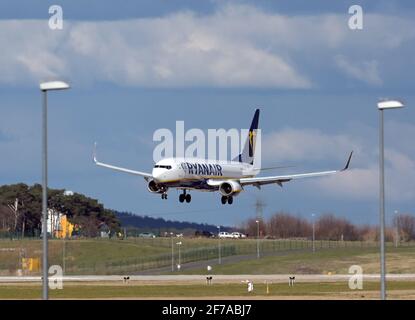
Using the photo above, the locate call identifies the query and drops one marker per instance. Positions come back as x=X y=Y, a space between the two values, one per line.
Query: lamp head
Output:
x=54 y=85
x=390 y=104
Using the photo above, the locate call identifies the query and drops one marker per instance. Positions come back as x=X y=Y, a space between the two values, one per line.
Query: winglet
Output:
x=348 y=162
x=95 y=153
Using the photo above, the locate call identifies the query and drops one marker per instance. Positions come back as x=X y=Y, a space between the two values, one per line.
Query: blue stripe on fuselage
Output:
x=191 y=184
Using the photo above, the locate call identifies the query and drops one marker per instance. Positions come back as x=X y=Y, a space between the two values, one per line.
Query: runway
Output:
x=163 y=279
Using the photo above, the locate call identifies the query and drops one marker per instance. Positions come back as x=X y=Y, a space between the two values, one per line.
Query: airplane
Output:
x=226 y=177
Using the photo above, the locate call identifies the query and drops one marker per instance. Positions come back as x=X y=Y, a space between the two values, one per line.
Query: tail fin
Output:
x=248 y=152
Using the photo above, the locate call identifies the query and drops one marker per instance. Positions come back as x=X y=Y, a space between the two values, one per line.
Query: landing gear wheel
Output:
x=188 y=198
x=230 y=199
x=164 y=195
x=182 y=197
x=224 y=199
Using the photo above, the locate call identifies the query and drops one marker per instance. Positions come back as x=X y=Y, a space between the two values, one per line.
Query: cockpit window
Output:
x=163 y=167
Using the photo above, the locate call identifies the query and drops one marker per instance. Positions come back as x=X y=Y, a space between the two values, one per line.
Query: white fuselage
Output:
x=177 y=170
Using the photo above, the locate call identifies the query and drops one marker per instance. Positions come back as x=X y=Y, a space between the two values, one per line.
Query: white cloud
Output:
x=174 y=51
x=312 y=144
x=179 y=50
x=366 y=71
x=361 y=181
x=235 y=46
x=356 y=184
x=30 y=52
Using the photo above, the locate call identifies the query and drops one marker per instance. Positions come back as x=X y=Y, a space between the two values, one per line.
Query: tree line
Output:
x=282 y=225
x=159 y=225
x=21 y=210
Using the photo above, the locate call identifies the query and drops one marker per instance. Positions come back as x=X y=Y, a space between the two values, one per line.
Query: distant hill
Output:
x=159 y=225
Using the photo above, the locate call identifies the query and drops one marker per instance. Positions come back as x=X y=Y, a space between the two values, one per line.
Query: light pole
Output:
x=179 y=264
x=383 y=105
x=219 y=248
x=314 y=232
x=397 y=229
x=172 y=252
x=257 y=239
x=45 y=87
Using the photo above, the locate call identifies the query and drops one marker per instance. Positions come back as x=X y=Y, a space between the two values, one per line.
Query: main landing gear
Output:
x=185 y=196
x=228 y=199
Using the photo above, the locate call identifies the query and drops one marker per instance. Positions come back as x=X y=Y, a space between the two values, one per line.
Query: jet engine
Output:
x=154 y=187
x=229 y=188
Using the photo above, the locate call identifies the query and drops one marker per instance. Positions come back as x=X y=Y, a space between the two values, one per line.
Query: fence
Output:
x=192 y=250
x=266 y=247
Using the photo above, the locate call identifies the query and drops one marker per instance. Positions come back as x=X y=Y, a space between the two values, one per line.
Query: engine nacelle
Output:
x=154 y=187
x=229 y=188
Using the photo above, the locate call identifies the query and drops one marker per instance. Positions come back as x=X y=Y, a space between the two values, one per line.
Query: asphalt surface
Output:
x=275 y=278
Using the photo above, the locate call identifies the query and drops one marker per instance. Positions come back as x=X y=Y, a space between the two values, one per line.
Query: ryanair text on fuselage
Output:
x=202 y=169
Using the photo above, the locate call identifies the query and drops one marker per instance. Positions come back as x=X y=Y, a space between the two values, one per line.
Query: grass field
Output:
x=325 y=290
x=282 y=257
x=101 y=256
x=334 y=261
x=79 y=253
x=112 y=256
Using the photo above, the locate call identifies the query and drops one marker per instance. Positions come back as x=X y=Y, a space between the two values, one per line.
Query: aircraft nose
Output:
x=157 y=174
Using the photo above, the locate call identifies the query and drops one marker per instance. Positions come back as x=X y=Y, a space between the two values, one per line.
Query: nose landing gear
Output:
x=164 y=195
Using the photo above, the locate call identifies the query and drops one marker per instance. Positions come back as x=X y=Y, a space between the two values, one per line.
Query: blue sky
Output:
x=140 y=66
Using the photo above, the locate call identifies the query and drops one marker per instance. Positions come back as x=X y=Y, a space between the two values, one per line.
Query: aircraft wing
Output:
x=257 y=182
x=145 y=175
